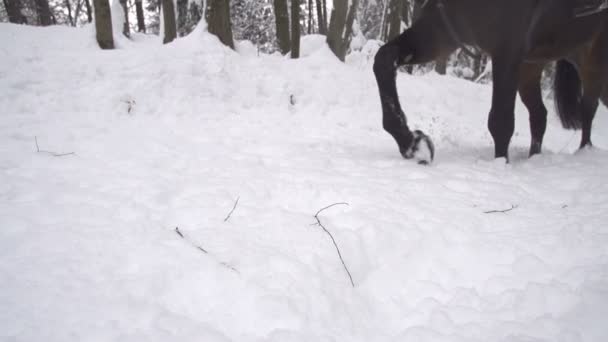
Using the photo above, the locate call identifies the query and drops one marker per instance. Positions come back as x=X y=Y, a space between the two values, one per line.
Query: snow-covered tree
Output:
x=255 y=21
x=153 y=16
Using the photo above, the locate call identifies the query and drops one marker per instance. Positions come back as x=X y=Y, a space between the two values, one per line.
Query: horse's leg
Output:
x=531 y=95
x=419 y=44
x=589 y=104
x=594 y=71
x=501 y=121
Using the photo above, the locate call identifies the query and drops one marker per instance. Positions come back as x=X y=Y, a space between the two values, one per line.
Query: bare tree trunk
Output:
x=479 y=64
x=383 y=24
x=336 y=27
x=320 y=18
x=394 y=19
x=324 y=8
x=182 y=17
x=416 y=11
x=89 y=11
x=310 y=30
x=282 y=22
x=77 y=11
x=405 y=13
x=139 y=11
x=218 y=17
x=350 y=21
x=295 y=29
x=45 y=18
x=126 y=29
x=170 y=29
x=103 y=24
x=13 y=9
x=417 y=6
x=341 y=27
x=68 y=5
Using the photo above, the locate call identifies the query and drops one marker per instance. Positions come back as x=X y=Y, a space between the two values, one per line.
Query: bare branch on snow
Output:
x=225 y=264
x=233 y=208
x=54 y=154
x=501 y=211
x=332 y=238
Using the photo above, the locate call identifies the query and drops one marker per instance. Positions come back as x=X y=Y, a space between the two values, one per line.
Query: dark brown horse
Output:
x=521 y=36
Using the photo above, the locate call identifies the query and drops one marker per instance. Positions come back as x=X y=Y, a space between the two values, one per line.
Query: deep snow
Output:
x=170 y=136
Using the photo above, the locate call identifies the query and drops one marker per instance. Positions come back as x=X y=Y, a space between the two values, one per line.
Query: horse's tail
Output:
x=568 y=93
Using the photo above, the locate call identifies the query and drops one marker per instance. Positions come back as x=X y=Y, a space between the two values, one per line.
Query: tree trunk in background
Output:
x=218 y=19
x=310 y=30
x=416 y=10
x=405 y=13
x=68 y=5
x=45 y=18
x=350 y=21
x=182 y=17
x=394 y=19
x=441 y=63
x=13 y=9
x=126 y=28
x=170 y=29
x=324 y=8
x=321 y=18
x=282 y=21
x=103 y=24
x=479 y=65
x=77 y=11
x=341 y=27
x=139 y=11
x=383 y=23
x=336 y=27
x=295 y=29
x=415 y=14
x=89 y=11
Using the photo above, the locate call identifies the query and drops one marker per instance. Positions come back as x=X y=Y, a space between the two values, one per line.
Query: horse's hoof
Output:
x=422 y=149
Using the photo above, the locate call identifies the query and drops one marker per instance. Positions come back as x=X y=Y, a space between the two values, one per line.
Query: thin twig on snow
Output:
x=233 y=208
x=501 y=211
x=54 y=154
x=192 y=243
x=332 y=238
x=225 y=264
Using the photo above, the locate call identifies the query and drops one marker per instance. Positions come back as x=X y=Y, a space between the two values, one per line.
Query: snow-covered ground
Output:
x=171 y=136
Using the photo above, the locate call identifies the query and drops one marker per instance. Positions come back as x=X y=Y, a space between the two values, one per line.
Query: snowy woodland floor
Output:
x=171 y=136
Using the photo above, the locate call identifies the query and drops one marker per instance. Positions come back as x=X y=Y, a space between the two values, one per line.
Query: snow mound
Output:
x=186 y=211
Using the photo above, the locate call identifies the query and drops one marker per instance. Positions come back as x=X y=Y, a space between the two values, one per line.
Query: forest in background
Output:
x=271 y=25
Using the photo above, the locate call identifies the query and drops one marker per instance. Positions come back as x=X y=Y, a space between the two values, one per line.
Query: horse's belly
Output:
x=565 y=38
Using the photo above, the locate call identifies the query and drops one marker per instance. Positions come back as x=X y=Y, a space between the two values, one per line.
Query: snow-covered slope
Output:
x=171 y=136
